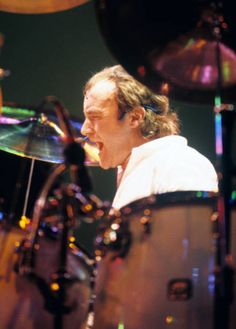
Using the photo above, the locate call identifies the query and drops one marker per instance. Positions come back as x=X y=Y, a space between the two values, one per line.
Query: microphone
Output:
x=74 y=153
x=75 y=156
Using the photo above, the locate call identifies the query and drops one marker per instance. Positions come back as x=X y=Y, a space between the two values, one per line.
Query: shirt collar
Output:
x=145 y=150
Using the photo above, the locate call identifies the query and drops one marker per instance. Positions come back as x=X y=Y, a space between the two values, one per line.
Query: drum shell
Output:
x=133 y=290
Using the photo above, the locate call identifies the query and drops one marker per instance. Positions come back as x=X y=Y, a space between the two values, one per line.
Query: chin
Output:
x=107 y=162
x=104 y=165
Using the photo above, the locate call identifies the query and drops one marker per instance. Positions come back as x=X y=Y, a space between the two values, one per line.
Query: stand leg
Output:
x=28 y=187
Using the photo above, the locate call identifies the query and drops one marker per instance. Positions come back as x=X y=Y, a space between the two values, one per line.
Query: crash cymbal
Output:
x=41 y=139
x=38 y=6
x=185 y=49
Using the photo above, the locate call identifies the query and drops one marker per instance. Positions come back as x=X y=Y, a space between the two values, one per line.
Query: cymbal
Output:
x=38 y=6
x=41 y=139
x=14 y=113
x=186 y=50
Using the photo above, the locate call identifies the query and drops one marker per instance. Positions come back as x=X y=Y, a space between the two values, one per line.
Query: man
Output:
x=136 y=132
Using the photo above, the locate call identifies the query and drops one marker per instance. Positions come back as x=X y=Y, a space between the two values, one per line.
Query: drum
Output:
x=33 y=301
x=157 y=267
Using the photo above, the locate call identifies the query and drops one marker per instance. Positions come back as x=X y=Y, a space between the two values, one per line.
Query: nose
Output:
x=86 y=129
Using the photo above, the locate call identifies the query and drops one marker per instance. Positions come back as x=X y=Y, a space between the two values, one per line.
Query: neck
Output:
x=124 y=164
x=121 y=169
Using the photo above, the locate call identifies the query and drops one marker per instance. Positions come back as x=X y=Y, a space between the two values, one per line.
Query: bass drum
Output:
x=31 y=301
x=158 y=270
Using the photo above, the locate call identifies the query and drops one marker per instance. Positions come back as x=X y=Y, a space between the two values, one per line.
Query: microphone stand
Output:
x=74 y=159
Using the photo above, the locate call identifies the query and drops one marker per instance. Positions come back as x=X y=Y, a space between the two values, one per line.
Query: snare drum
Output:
x=158 y=271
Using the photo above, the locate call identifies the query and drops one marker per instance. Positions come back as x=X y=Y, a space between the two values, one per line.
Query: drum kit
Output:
x=166 y=261
x=51 y=289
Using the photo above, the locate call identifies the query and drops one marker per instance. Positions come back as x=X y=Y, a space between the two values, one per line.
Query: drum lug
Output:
x=146 y=221
x=114 y=236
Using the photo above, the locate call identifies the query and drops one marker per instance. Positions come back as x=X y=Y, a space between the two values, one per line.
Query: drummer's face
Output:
x=114 y=138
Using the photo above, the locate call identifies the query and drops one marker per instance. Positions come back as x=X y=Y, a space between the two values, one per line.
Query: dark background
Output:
x=55 y=54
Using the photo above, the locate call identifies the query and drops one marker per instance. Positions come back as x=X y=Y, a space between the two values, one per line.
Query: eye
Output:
x=94 y=117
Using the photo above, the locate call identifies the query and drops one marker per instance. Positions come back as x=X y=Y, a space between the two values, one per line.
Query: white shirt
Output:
x=163 y=165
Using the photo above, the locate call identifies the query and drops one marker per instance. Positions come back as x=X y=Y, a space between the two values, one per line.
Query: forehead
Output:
x=100 y=95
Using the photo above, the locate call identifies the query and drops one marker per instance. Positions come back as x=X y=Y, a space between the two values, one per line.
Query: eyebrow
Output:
x=93 y=110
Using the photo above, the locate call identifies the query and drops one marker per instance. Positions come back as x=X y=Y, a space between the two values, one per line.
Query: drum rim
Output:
x=171 y=199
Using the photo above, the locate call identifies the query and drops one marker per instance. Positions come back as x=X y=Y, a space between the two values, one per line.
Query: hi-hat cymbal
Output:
x=38 y=6
x=41 y=139
x=185 y=49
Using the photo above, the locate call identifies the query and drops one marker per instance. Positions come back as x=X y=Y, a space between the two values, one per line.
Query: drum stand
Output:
x=224 y=120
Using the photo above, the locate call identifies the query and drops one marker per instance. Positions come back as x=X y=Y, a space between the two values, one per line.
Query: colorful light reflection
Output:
x=218 y=128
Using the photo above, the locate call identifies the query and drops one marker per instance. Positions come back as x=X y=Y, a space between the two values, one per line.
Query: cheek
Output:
x=103 y=129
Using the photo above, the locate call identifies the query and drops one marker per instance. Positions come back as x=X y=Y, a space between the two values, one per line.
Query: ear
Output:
x=136 y=116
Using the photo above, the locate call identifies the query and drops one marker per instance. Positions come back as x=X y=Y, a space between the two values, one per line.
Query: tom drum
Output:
x=157 y=267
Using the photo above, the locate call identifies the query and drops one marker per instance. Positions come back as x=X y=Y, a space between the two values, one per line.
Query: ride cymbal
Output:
x=38 y=6
x=184 y=49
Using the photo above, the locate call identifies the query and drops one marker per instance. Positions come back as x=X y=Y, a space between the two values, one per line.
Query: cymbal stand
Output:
x=11 y=217
x=74 y=156
x=28 y=187
x=224 y=118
